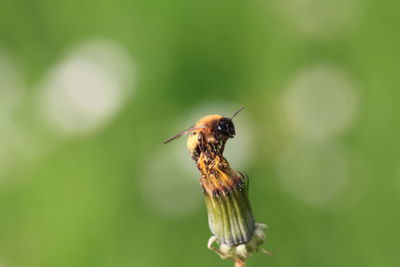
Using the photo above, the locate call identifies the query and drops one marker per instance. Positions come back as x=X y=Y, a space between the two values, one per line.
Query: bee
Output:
x=225 y=190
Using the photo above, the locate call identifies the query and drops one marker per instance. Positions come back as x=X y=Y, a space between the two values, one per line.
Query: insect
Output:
x=225 y=190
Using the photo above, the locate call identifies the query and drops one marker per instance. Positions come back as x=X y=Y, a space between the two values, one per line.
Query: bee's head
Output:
x=224 y=128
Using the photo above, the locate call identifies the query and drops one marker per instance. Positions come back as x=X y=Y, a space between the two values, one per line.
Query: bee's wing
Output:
x=191 y=128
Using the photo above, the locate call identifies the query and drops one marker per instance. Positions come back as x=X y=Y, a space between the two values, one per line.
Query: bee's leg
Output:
x=266 y=252
x=201 y=142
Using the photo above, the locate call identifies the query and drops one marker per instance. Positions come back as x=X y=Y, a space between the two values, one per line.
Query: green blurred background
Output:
x=90 y=89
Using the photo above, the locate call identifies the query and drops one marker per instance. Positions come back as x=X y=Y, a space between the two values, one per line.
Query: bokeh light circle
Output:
x=314 y=172
x=12 y=87
x=320 y=102
x=166 y=189
x=318 y=19
x=87 y=88
x=14 y=143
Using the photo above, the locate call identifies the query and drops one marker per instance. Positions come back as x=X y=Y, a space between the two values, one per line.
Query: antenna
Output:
x=237 y=112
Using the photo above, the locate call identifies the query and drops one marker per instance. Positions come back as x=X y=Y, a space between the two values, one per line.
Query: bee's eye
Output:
x=224 y=127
